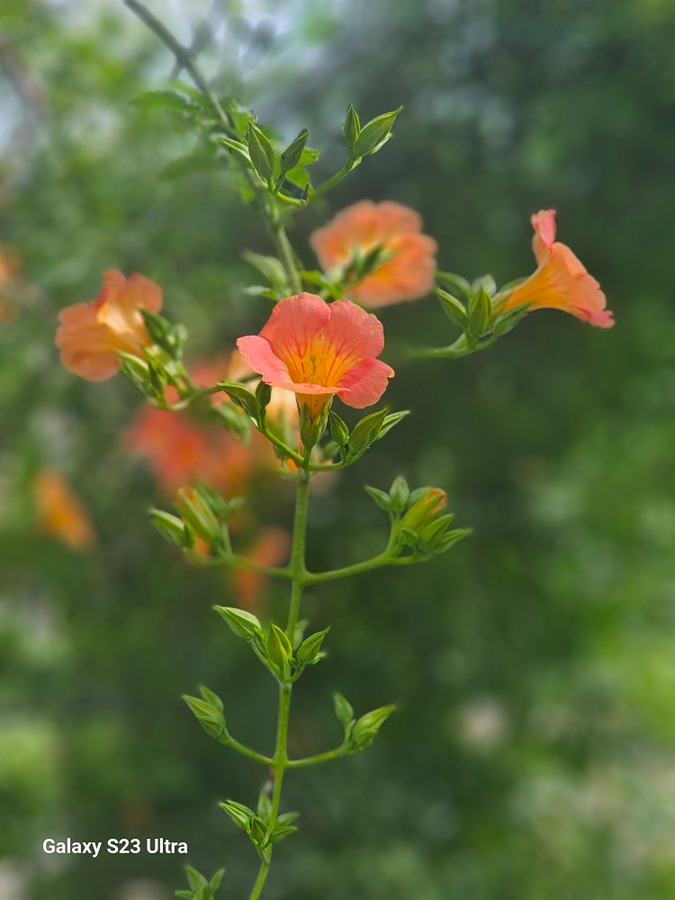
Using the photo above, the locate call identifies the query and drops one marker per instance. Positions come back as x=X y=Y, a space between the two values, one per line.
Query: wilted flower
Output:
x=91 y=335
x=317 y=351
x=60 y=513
x=406 y=267
x=560 y=281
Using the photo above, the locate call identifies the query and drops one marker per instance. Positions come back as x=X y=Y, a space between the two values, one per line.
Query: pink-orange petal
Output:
x=352 y=332
x=544 y=226
x=294 y=323
x=365 y=383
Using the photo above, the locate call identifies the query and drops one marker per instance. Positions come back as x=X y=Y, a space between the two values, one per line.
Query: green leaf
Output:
x=390 y=421
x=338 y=429
x=214 y=884
x=264 y=805
x=375 y=134
x=241 y=815
x=244 y=624
x=382 y=498
x=287 y=818
x=351 y=127
x=453 y=308
x=508 y=320
x=169 y=101
x=278 y=649
x=241 y=396
x=195 y=878
x=343 y=709
x=263 y=394
x=279 y=832
x=261 y=152
x=209 y=717
x=293 y=153
x=171 y=528
x=210 y=697
x=399 y=493
x=366 y=432
x=309 y=652
x=455 y=284
x=367 y=727
x=480 y=310
x=270 y=267
x=240 y=149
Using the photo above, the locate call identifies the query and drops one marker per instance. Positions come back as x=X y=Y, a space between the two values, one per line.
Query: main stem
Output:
x=298 y=575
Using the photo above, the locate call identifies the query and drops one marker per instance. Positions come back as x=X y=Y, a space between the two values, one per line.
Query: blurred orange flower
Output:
x=270 y=548
x=408 y=265
x=184 y=447
x=92 y=334
x=60 y=513
x=561 y=280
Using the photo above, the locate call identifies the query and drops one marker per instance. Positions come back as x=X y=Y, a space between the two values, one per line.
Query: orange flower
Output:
x=318 y=350
x=60 y=513
x=408 y=267
x=560 y=281
x=270 y=548
x=92 y=334
x=182 y=448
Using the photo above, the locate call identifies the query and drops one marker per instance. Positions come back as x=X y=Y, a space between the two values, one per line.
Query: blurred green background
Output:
x=533 y=754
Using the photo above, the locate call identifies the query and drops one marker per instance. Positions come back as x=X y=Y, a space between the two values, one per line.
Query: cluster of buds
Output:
x=202 y=521
x=420 y=528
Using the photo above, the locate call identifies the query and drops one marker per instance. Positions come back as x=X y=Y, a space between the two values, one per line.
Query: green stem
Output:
x=319 y=758
x=298 y=572
x=184 y=59
x=453 y=351
x=277 y=232
x=376 y=562
x=330 y=183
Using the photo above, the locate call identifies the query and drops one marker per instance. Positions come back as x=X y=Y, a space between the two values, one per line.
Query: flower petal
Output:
x=365 y=383
x=294 y=323
x=544 y=226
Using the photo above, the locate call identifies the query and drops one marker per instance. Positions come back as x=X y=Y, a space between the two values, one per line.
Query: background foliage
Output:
x=532 y=756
